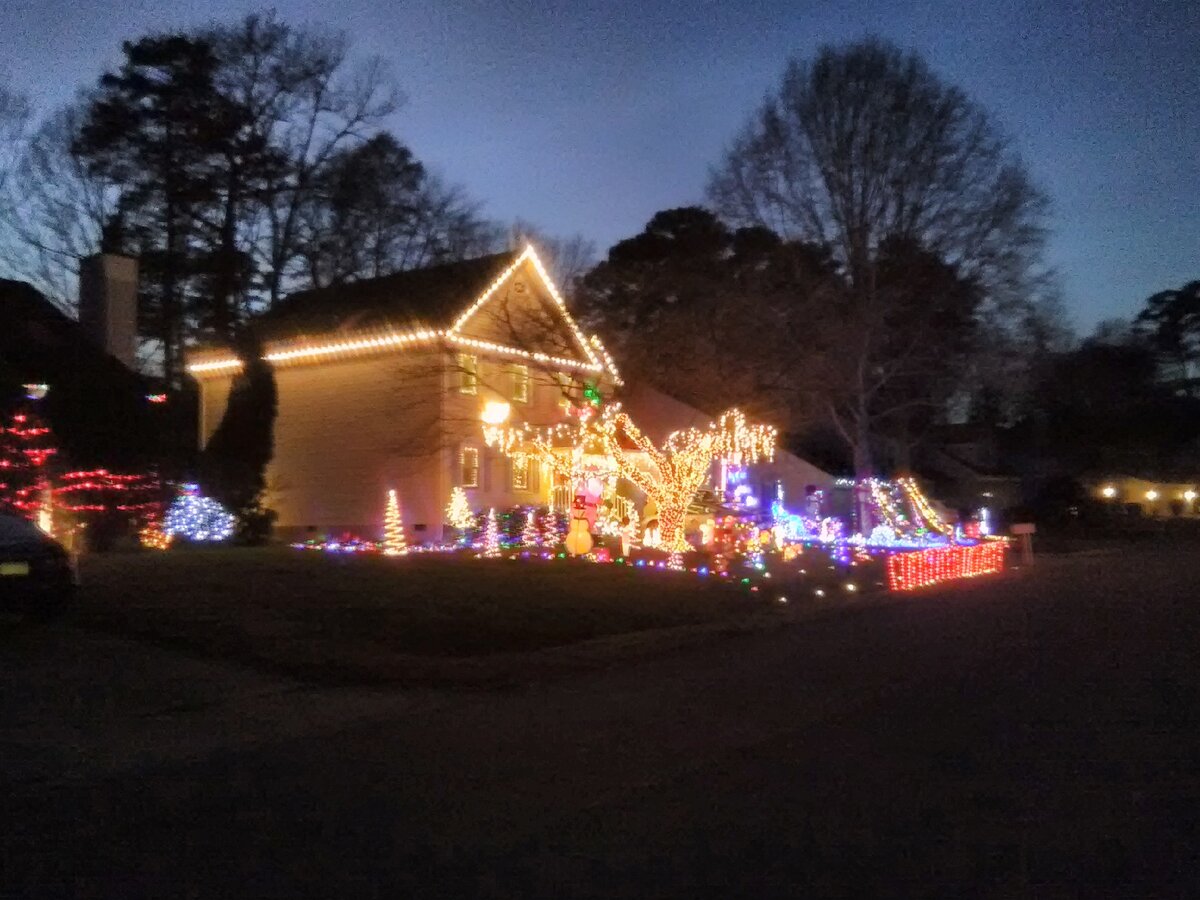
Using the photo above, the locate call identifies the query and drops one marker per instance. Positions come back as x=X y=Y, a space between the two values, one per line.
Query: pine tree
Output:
x=529 y=535
x=393 y=528
x=491 y=536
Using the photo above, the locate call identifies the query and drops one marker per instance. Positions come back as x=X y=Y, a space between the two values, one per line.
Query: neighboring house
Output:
x=1163 y=499
x=965 y=469
x=382 y=384
x=97 y=404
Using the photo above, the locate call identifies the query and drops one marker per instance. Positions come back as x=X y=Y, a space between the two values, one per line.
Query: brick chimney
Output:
x=108 y=304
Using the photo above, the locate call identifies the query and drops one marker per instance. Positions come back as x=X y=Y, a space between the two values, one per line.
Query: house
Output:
x=1142 y=496
x=382 y=384
x=97 y=404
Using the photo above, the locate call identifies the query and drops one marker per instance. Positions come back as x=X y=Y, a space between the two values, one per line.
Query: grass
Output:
x=374 y=618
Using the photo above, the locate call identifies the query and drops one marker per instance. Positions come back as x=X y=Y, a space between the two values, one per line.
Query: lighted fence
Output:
x=921 y=568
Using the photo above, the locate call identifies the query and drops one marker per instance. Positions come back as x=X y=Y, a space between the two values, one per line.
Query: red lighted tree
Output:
x=26 y=447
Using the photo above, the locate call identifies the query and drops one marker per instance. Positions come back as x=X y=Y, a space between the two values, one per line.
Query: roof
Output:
x=422 y=307
x=417 y=298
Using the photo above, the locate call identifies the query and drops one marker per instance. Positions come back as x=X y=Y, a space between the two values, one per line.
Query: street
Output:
x=1036 y=734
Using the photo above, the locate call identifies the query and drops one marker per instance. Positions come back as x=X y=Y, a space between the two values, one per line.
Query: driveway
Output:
x=1033 y=735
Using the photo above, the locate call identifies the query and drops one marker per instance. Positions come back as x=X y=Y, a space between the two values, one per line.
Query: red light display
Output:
x=922 y=568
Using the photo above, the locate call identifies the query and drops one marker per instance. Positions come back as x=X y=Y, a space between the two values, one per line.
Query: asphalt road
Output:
x=1037 y=735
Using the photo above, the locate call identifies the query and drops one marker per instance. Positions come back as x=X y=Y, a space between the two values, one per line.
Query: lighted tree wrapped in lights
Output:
x=677 y=470
x=198 y=518
x=26 y=446
x=458 y=511
x=529 y=534
x=681 y=466
x=491 y=536
x=393 y=528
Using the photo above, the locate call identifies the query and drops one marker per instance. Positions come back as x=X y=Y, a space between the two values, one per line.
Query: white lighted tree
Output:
x=669 y=475
x=458 y=511
x=684 y=462
x=491 y=536
x=393 y=528
x=529 y=534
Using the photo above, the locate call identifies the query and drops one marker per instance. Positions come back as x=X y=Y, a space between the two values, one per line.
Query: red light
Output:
x=921 y=568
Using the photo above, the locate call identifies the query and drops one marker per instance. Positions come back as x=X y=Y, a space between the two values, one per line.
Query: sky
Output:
x=588 y=117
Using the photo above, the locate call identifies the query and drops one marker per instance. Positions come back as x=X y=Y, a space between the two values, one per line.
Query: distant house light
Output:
x=1151 y=495
x=1109 y=492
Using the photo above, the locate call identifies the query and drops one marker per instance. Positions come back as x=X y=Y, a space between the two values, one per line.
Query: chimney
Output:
x=108 y=304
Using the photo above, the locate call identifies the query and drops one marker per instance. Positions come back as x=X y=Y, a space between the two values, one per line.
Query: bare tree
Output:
x=305 y=98
x=375 y=210
x=63 y=207
x=865 y=145
x=14 y=119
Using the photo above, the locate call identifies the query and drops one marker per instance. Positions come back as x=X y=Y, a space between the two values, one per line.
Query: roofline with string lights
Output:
x=214 y=363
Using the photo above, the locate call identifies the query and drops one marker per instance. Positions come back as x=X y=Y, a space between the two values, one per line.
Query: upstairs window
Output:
x=563 y=385
x=468 y=459
x=468 y=373
x=520 y=384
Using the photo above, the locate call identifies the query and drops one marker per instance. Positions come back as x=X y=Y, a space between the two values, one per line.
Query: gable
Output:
x=523 y=310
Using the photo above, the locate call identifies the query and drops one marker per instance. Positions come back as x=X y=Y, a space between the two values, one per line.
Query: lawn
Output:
x=375 y=618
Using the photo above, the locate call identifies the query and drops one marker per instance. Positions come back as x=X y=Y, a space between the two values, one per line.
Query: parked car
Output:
x=37 y=576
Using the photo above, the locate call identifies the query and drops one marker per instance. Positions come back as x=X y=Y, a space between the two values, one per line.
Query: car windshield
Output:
x=17 y=531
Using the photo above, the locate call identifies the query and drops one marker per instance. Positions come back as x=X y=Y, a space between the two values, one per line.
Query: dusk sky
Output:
x=589 y=117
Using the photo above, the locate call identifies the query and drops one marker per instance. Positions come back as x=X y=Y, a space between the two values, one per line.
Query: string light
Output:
x=198 y=518
x=393 y=528
x=608 y=360
x=458 y=511
x=551 y=530
x=491 y=537
x=307 y=351
x=921 y=568
x=152 y=537
x=680 y=467
x=529 y=534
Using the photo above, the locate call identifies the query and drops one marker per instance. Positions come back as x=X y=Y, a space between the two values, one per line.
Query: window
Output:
x=520 y=384
x=468 y=373
x=562 y=386
x=520 y=474
x=469 y=463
